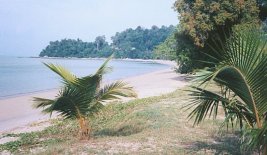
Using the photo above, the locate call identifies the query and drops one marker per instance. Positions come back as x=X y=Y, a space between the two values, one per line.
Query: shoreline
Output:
x=169 y=63
x=159 y=61
x=18 y=112
x=26 y=93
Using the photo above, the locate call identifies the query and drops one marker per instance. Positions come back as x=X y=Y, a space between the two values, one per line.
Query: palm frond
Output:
x=103 y=69
x=80 y=97
x=66 y=75
x=239 y=112
x=254 y=138
x=43 y=103
x=73 y=103
x=115 y=90
x=205 y=103
x=87 y=83
x=95 y=79
x=242 y=69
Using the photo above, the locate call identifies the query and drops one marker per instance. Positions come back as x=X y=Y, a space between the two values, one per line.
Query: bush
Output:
x=188 y=54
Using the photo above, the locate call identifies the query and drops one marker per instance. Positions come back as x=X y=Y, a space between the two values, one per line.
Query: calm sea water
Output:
x=26 y=75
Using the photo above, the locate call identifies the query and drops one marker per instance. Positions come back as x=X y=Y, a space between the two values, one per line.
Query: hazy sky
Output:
x=27 y=26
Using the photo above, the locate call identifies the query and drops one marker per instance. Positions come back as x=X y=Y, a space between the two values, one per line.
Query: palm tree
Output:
x=83 y=96
x=240 y=70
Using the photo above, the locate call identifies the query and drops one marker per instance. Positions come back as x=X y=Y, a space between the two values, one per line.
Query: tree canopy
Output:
x=77 y=48
x=140 y=42
x=166 y=50
x=131 y=43
x=203 y=22
x=201 y=18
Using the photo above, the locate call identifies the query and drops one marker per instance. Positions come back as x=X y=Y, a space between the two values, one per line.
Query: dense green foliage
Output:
x=166 y=50
x=264 y=27
x=83 y=96
x=131 y=43
x=180 y=47
x=77 y=48
x=240 y=71
x=187 y=53
x=200 y=18
x=140 y=42
x=263 y=9
x=203 y=21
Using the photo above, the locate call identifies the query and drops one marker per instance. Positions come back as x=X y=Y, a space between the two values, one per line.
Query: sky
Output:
x=27 y=26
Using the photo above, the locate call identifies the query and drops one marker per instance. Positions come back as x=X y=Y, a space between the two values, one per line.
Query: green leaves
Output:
x=66 y=75
x=241 y=72
x=130 y=43
x=254 y=138
x=203 y=18
x=80 y=97
x=78 y=48
x=115 y=90
x=204 y=103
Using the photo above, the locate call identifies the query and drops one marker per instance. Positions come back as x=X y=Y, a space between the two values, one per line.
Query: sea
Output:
x=20 y=76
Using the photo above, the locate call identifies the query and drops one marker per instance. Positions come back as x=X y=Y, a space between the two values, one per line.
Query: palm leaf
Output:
x=103 y=69
x=70 y=103
x=81 y=97
x=66 y=75
x=242 y=69
x=254 y=138
x=43 y=103
x=115 y=90
x=205 y=103
x=95 y=79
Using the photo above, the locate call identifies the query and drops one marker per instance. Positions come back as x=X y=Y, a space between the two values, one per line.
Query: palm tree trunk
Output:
x=84 y=128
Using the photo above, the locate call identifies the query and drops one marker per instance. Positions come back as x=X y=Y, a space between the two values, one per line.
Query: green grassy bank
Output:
x=155 y=125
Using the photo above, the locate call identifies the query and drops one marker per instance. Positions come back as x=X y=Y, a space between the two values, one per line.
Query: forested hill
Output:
x=77 y=48
x=131 y=43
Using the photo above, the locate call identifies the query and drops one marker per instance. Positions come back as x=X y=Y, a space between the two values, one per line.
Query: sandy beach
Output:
x=17 y=112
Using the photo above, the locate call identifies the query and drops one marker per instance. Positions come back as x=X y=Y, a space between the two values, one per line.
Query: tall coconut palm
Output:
x=80 y=97
x=240 y=69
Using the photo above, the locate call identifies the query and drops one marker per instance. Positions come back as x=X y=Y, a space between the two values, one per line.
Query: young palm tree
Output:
x=83 y=96
x=240 y=69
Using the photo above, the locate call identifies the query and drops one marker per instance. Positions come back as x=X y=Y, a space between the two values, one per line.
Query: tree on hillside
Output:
x=78 y=48
x=100 y=41
x=131 y=43
x=167 y=49
x=139 y=42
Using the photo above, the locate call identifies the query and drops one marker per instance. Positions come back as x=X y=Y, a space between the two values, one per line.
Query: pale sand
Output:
x=17 y=112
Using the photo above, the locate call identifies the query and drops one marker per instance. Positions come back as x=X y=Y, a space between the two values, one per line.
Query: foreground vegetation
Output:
x=240 y=69
x=80 y=97
x=203 y=21
x=155 y=125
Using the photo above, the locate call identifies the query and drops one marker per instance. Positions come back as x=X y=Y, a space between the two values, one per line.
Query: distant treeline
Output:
x=131 y=43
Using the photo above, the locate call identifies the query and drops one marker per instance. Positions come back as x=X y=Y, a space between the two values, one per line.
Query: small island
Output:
x=136 y=43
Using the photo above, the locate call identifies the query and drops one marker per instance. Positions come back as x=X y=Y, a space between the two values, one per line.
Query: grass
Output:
x=155 y=125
